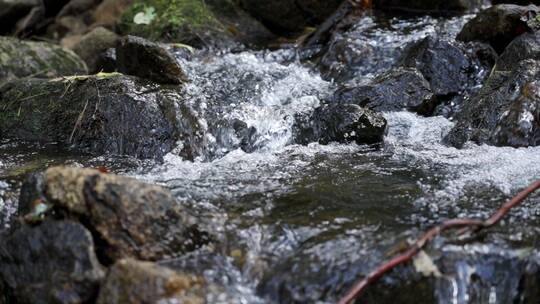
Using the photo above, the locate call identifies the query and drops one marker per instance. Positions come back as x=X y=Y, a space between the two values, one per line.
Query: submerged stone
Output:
x=499 y=25
x=139 y=57
x=505 y=112
x=130 y=218
x=106 y=113
x=20 y=58
x=134 y=282
x=343 y=123
x=399 y=89
x=51 y=263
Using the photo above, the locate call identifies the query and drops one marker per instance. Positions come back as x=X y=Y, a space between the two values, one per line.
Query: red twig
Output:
x=408 y=255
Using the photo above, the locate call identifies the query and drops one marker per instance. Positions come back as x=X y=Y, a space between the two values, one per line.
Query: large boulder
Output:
x=504 y=112
x=499 y=25
x=202 y=24
x=430 y=6
x=396 y=90
x=526 y=46
x=131 y=281
x=20 y=58
x=139 y=57
x=450 y=68
x=130 y=218
x=51 y=263
x=343 y=123
x=290 y=16
x=106 y=113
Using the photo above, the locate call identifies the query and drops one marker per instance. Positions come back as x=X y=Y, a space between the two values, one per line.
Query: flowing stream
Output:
x=301 y=223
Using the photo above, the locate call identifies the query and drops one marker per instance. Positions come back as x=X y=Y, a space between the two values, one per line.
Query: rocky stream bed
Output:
x=266 y=151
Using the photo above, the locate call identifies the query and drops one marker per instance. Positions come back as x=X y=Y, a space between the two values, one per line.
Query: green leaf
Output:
x=146 y=16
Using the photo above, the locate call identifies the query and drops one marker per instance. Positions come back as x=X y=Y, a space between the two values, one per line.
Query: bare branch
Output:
x=420 y=243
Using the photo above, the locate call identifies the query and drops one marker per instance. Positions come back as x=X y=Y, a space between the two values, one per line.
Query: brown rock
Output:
x=135 y=282
x=108 y=13
x=131 y=218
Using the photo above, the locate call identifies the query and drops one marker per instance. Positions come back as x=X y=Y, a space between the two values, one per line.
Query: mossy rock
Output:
x=20 y=58
x=107 y=113
x=215 y=23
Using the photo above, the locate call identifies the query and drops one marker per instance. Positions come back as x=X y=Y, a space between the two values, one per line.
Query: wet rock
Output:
x=106 y=61
x=475 y=272
x=343 y=123
x=233 y=134
x=401 y=88
x=499 y=25
x=93 y=44
x=504 y=112
x=106 y=113
x=135 y=282
x=339 y=62
x=20 y=58
x=51 y=263
x=201 y=24
x=526 y=46
x=449 y=67
x=430 y=6
x=12 y=11
x=289 y=16
x=128 y=217
x=140 y=57
x=242 y=27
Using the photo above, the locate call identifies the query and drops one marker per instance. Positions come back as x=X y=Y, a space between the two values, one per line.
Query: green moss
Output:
x=29 y=167
x=172 y=20
x=534 y=23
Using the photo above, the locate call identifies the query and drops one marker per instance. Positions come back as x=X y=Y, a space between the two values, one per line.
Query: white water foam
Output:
x=418 y=141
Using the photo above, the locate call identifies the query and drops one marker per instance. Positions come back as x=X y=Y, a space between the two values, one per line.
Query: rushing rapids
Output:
x=300 y=223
